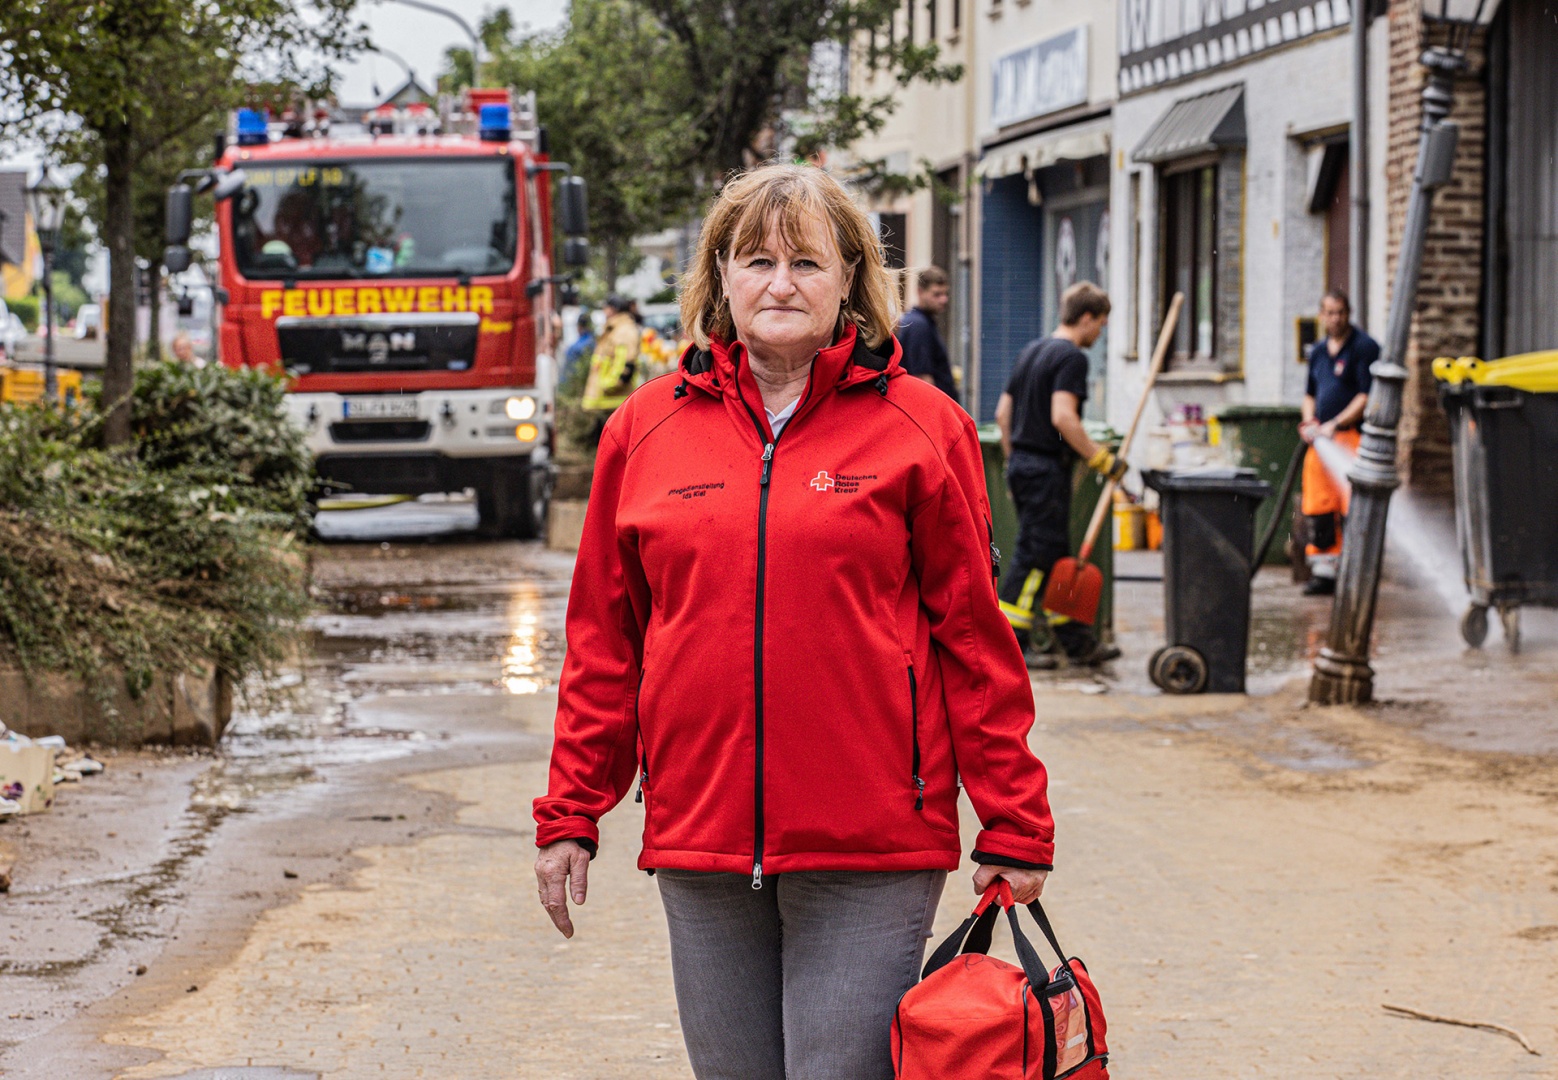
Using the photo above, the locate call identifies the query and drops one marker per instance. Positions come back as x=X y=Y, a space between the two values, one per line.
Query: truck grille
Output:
x=405 y=342
x=348 y=431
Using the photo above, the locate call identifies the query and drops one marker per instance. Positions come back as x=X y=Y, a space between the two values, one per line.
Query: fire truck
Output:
x=403 y=279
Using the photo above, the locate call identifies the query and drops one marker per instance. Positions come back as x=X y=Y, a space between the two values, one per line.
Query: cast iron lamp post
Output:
x=1342 y=672
x=47 y=197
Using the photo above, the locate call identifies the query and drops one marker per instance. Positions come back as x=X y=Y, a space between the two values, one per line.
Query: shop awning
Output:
x=1195 y=125
x=1076 y=142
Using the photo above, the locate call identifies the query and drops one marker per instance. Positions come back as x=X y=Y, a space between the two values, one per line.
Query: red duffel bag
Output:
x=974 y=1016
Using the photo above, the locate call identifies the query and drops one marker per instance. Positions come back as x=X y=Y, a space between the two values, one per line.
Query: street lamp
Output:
x=47 y=199
x=469 y=32
x=1342 y=672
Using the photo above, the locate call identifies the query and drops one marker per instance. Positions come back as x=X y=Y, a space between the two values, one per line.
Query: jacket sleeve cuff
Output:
x=580 y=829
x=1007 y=849
x=984 y=857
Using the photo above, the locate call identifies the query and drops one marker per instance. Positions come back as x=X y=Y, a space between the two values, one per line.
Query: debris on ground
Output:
x=1480 y=1025
x=31 y=769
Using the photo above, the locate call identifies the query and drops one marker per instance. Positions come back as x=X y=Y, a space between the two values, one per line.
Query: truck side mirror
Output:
x=230 y=184
x=176 y=258
x=573 y=207
x=180 y=214
x=576 y=252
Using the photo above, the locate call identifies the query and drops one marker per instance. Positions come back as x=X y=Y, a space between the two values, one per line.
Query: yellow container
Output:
x=1130 y=527
x=24 y=386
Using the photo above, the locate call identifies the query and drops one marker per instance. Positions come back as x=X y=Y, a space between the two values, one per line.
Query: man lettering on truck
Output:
x=1040 y=416
x=1334 y=400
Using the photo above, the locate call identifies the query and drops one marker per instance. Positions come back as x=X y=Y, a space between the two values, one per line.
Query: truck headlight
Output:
x=520 y=408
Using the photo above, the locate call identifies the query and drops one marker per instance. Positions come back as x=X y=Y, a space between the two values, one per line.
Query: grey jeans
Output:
x=797 y=980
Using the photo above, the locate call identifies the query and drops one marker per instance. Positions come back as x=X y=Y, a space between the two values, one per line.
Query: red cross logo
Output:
x=822 y=481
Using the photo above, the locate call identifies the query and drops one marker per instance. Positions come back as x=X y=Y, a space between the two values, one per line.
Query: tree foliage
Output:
x=655 y=101
x=749 y=83
x=114 y=83
x=600 y=85
x=176 y=555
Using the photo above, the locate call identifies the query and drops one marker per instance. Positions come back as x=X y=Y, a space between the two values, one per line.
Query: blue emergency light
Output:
x=252 y=128
x=495 y=123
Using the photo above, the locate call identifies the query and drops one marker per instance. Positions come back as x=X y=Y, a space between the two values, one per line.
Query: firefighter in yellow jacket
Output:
x=614 y=369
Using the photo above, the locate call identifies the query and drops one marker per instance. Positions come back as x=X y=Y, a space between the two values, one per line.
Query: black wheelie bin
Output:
x=1208 y=548
x=1504 y=448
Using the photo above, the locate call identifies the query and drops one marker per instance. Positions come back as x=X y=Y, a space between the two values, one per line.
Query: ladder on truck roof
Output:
x=460 y=114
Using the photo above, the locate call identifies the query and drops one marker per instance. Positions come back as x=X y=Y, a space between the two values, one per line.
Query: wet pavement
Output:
x=344 y=889
x=424 y=635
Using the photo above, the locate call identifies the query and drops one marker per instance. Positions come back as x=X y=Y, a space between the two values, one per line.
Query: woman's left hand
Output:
x=1027 y=885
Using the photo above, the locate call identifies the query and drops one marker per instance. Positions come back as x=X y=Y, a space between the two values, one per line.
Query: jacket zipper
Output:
x=757 y=637
x=757 y=656
x=995 y=555
x=643 y=751
x=914 y=728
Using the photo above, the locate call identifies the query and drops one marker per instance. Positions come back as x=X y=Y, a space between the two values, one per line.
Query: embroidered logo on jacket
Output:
x=842 y=484
x=696 y=491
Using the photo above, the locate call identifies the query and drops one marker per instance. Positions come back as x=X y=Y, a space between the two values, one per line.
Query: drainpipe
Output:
x=1342 y=673
x=1358 y=171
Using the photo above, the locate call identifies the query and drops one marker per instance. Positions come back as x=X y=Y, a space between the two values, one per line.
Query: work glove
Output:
x=1105 y=463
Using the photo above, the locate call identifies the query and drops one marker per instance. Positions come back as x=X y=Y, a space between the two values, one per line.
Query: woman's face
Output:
x=785 y=298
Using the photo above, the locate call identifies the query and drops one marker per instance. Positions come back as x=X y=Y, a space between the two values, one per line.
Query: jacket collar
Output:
x=722 y=368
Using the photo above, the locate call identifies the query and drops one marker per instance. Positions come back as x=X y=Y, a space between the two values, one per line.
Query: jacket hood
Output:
x=722 y=368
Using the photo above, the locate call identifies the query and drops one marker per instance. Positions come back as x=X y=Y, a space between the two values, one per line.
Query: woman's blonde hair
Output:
x=793 y=197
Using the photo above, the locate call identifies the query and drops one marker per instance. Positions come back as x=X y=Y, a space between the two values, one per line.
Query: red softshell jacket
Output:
x=793 y=644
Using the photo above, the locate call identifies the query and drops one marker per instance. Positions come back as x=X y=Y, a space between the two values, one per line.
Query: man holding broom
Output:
x=1040 y=416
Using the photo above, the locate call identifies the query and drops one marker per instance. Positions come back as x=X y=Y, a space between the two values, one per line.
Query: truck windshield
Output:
x=395 y=217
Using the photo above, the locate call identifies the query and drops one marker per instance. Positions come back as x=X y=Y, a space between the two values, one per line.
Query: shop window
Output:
x=1188 y=230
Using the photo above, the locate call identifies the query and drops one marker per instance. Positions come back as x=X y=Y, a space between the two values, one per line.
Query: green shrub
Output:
x=25 y=308
x=181 y=554
x=226 y=420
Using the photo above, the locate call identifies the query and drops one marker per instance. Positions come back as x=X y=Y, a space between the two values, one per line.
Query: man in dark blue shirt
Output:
x=1334 y=400
x=582 y=348
x=924 y=353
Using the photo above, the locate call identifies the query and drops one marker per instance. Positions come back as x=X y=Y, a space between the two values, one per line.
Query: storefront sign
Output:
x=1040 y=79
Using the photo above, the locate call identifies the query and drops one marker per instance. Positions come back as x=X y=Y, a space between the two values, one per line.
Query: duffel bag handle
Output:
x=1036 y=909
x=975 y=932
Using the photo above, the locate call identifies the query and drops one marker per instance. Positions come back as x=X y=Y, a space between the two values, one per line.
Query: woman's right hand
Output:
x=562 y=869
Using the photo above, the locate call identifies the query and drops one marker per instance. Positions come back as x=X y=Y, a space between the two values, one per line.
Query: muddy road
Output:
x=345 y=889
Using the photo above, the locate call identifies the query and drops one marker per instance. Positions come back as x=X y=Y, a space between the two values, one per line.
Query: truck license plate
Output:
x=380 y=408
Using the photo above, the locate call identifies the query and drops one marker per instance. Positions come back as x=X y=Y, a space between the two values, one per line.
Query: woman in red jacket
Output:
x=784 y=629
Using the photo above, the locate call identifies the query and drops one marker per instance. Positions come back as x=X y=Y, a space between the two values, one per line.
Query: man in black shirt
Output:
x=924 y=353
x=1040 y=416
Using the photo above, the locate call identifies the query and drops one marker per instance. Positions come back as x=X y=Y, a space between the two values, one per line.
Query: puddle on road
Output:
x=416 y=638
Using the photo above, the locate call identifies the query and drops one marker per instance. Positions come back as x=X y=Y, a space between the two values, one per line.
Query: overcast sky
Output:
x=420 y=37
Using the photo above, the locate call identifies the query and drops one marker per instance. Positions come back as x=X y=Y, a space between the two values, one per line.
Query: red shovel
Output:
x=1075 y=585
